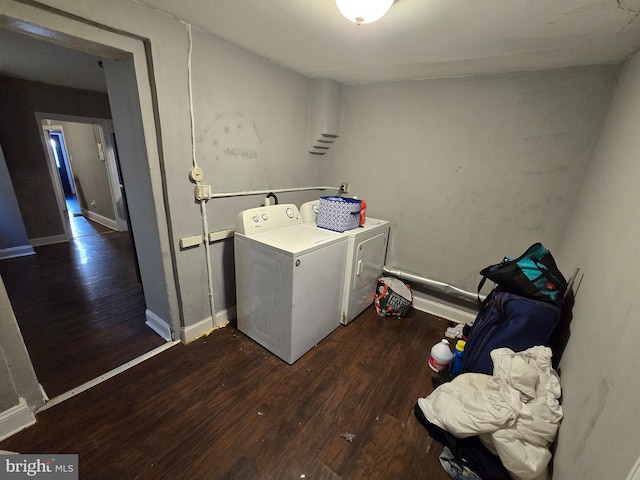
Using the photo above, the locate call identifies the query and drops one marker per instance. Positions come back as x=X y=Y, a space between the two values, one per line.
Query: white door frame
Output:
x=55 y=177
x=106 y=148
x=109 y=151
x=65 y=157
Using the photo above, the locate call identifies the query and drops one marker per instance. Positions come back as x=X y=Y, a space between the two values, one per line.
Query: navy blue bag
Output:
x=508 y=320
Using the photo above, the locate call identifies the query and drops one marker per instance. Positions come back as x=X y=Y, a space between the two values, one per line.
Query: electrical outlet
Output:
x=344 y=187
x=203 y=192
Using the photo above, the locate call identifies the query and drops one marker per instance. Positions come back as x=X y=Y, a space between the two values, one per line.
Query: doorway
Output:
x=80 y=304
x=61 y=158
x=89 y=188
x=81 y=310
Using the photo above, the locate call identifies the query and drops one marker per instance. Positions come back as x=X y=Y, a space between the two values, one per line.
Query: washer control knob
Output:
x=265 y=217
x=256 y=218
x=289 y=212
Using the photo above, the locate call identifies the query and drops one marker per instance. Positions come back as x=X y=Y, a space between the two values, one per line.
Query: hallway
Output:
x=79 y=305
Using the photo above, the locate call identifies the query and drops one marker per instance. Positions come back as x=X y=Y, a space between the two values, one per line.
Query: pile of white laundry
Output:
x=515 y=412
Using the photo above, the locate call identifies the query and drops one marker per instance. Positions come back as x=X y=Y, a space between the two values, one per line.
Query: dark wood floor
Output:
x=222 y=407
x=79 y=306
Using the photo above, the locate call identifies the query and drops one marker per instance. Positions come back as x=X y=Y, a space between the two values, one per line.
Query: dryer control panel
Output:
x=267 y=218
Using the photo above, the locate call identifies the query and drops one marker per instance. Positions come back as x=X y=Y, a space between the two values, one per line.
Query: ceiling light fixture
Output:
x=364 y=11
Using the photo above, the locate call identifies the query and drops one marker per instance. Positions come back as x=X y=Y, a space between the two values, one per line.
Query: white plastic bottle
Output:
x=441 y=356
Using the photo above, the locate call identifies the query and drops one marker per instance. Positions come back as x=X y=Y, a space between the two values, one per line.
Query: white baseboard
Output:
x=15 y=419
x=107 y=222
x=432 y=305
x=36 y=242
x=102 y=378
x=206 y=326
x=158 y=325
x=21 y=251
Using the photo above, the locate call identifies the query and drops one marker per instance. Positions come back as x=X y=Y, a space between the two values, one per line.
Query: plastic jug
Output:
x=441 y=356
x=458 y=357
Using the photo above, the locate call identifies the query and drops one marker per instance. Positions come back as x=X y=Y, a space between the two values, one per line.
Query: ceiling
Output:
x=416 y=39
x=28 y=58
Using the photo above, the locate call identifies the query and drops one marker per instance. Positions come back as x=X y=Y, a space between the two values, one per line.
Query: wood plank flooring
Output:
x=222 y=407
x=79 y=305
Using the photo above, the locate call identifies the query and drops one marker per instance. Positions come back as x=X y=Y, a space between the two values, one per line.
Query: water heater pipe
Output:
x=433 y=284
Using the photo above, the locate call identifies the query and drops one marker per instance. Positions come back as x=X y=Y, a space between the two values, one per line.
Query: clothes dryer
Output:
x=289 y=280
x=366 y=254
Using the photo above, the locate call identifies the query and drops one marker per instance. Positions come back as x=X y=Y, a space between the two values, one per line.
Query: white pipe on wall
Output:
x=264 y=192
x=203 y=203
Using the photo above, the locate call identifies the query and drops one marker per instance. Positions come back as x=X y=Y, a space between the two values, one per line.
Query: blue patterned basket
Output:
x=339 y=214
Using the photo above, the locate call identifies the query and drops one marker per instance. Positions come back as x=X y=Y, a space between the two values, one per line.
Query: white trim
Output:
x=206 y=326
x=102 y=220
x=634 y=474
x=36 y=242
x=158 y=325
x=12 y=252
x=105 y=127
x=65 y=154
x=15 y=419
x=108 y=150
x=425 y=303
x=196 y=330
x=112 y=373
x=54 y=175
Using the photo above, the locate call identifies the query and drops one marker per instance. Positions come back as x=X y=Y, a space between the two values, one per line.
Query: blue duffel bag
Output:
x=508 y=320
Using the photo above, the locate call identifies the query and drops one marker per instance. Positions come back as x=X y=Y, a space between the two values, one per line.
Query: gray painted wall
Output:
x=146 y=208
x=12 y=231
x=22 y=144
x=251 y=134
x=599 y=436
x=469 y=170
x=89 y=172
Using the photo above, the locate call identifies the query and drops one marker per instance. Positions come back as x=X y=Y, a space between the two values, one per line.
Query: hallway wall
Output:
x=20 y=137
x=90 y=172
x=13 y=236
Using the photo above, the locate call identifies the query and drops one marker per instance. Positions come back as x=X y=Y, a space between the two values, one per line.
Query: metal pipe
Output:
x=433 y=284
x=264 y=192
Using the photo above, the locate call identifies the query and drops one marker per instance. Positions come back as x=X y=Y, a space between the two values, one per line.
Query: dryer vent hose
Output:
x=273 y=195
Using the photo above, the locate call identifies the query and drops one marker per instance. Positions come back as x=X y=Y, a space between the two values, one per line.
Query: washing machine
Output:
x=366 y=253
x=289 y=280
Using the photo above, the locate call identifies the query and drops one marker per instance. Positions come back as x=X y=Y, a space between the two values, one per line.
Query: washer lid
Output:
x=298 y=239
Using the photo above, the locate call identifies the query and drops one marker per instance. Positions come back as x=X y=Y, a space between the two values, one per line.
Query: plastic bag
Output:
x=392 y=298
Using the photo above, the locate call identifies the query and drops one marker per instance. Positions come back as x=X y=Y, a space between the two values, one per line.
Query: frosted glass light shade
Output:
x=364 y=11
